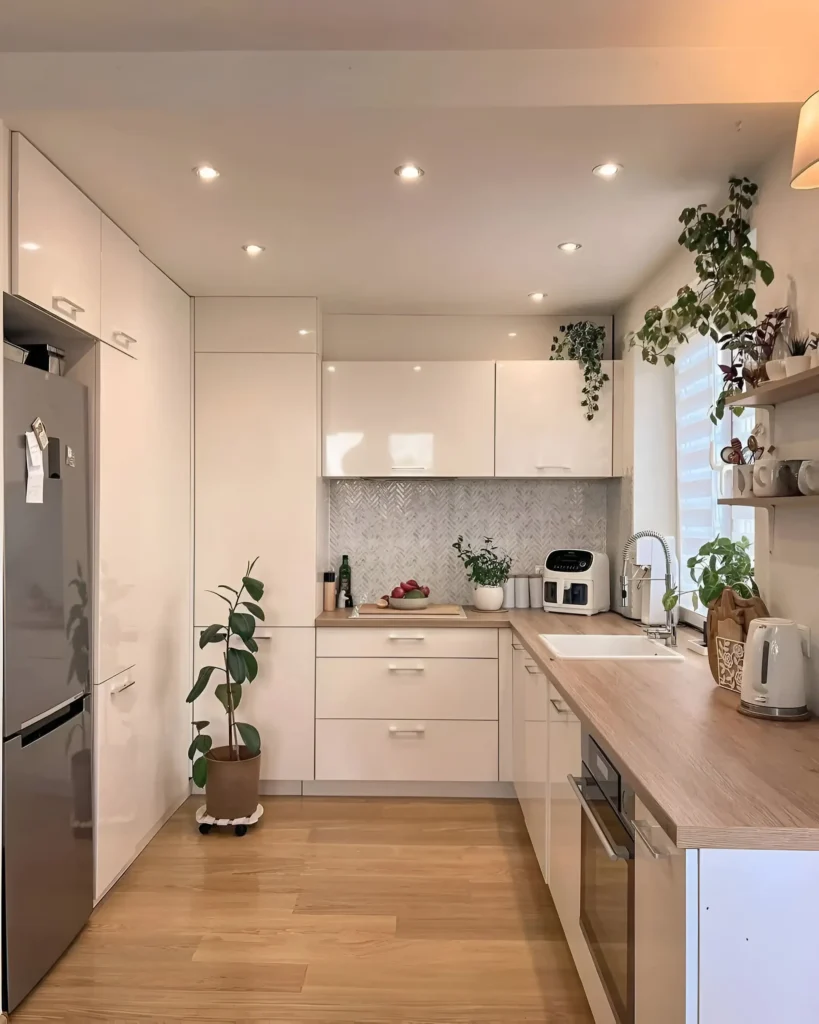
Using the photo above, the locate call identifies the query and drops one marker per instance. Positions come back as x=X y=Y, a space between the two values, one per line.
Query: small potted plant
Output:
x=230 y=774
x=487 y=571
x=583 y=342
x=798 y=358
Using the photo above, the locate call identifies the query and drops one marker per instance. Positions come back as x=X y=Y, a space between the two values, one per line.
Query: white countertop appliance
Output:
x=577 y=581
x=773 y=671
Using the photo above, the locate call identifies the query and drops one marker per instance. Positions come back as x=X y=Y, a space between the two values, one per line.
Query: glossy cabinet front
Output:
x=121 y=319
x=384 y=419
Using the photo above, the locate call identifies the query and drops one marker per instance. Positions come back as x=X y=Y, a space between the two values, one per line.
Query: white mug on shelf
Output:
x=808 y=479
x=776 y=478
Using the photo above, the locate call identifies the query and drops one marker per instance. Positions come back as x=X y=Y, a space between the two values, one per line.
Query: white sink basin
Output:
x=618 y=648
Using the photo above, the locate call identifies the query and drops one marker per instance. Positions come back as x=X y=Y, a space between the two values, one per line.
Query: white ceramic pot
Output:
x=742 y=481
x=814 y=359
x=796 y=364
x=488 y=599
x=775 y=368
x=775 y=478
x=809 y=476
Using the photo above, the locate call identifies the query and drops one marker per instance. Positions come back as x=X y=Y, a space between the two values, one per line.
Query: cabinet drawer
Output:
x=465 y=688
x=419 y=750
x=406 y=642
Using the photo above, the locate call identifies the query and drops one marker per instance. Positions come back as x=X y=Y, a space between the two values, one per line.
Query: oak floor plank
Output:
x=331 y=911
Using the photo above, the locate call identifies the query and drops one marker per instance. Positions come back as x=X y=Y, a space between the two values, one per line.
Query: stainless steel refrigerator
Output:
x=47 y=742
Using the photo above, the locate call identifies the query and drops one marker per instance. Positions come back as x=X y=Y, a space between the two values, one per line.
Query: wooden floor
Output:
x=330 y=911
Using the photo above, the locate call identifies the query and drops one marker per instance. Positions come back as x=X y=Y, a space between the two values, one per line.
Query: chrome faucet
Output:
x=668 y=632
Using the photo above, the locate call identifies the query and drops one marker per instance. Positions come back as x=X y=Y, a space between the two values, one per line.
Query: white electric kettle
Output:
x=773 y=671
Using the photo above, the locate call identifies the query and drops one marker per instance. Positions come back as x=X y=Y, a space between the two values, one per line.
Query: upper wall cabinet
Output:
x=385 y=419
x=56 y=234
x=541 y=429
x=256 y=325
x=121 y=313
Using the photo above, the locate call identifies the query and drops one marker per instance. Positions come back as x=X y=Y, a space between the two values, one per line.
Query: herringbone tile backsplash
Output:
x=394 y=529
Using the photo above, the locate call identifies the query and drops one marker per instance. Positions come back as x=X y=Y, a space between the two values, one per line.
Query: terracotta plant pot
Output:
x=232 y=789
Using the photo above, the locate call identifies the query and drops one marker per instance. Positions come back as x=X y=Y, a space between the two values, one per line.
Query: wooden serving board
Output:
x=431 y=609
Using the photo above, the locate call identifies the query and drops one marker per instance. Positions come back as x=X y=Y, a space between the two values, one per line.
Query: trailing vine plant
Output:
x=723 y=301
x=583 y=341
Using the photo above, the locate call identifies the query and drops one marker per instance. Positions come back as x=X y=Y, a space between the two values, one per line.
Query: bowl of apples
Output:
x=409 y=597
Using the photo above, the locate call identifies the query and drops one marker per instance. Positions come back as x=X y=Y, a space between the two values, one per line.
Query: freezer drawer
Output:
x=48 y=850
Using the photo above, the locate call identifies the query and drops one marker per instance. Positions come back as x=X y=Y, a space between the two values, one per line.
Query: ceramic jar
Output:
x=808 y=479
x=796 y=364
x=742 y=481
x=776 y=478
x=775 y=368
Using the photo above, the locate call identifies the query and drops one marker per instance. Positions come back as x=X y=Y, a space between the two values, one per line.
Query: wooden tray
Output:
x=431 y=609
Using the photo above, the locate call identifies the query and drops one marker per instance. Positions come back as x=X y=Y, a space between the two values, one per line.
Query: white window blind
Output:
x=700 y=518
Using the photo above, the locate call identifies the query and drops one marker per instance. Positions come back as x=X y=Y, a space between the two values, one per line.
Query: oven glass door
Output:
x=607 y=896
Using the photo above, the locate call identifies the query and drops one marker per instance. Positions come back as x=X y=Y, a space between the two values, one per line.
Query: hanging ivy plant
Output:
x=583 y=342
x=727 y=265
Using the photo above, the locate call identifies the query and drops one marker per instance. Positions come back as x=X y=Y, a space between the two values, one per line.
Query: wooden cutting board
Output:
x=431 y=609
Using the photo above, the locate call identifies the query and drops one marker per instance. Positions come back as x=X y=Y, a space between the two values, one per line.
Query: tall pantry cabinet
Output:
x=257 y=487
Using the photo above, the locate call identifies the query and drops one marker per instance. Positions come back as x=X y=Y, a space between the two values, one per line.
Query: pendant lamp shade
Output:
x=805 y=172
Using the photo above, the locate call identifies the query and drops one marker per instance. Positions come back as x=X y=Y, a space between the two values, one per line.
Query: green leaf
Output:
x=670 y=599
x=254 y=609
x=250 y=736
x=221 y=597
x=254 y=587
x=201 y=743
x=200 y=771
x=211 y=635
x=199 y=726
x=242 y=624
x=202 y=681
x=765 y=271
x=236 y=665
x=235 y=695
x=224 y=586
x=251 y=665
x=251 y=644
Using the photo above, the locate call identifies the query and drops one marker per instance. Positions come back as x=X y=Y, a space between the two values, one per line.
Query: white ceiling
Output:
x=85 y=25
x=476 y=234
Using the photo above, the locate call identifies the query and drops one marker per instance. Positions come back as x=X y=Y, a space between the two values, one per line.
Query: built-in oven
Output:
x=607 y=875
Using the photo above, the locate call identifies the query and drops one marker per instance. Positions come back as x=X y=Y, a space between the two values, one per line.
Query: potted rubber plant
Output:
x=583 y=341
x=487 y=571
x=229 y=774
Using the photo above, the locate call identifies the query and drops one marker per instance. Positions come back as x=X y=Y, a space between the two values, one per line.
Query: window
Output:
x=699 y=517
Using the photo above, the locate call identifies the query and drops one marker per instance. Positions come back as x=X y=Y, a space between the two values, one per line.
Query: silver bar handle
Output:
x=395 y=636
x=533 y=670
x=51 y=711
x=409 y=469
x=642 y=828
x=612 y=852
x=517 y=647
x=406 y=668
x=561 y=707
x=562 y=469
x=418 y=730
x=75 y=306
x=125 y=686
x=122 y=336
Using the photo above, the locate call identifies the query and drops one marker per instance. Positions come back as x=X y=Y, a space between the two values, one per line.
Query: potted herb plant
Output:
x=583 y=342
x=798 y=358
x=487 y=571
x=230 y=774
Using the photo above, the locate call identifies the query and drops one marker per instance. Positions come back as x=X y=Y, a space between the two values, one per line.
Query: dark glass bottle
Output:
x=345 y=580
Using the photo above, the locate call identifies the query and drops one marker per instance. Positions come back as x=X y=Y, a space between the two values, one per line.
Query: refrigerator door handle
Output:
x=42 y=725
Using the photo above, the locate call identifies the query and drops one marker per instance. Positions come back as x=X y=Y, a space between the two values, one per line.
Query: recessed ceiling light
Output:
x=417 y=369
x=537 y=296
x=569 y=246
x=303 y=330
x=409 y=172
x=206 y=172
x=512 y=334
x=30 y=246
x=331 y=369
x=607 y=170
x=253 y=249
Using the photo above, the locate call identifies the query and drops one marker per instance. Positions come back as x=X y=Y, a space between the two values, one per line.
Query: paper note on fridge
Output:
x=34 y=467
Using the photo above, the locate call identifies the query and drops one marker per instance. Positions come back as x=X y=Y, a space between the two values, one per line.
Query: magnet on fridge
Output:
x=40 y=433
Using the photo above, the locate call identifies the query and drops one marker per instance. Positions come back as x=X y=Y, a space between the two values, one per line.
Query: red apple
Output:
x=426 y=591
x=398 y=592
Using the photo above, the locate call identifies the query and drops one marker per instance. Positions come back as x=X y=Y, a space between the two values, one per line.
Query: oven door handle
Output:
x=612 y=850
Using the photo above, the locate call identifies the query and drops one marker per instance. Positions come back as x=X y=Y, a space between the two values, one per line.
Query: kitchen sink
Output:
x=616 y=648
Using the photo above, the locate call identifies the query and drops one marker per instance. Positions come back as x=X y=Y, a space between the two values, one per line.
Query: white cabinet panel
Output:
x=385 y=419
x=122 y=475
x=541 y=429
x=417 y=750
x=402 y=642
x=260 y=324
x=55 y=239
x=280 y=701
x=256 y=481
x=519 y=724
x=121 y=315
x=531 y=746
x=465 y=688
x=659 y=925
x=116 y=777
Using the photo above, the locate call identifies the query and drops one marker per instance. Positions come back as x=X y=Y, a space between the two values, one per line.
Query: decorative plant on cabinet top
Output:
x=583 y=342
x=723 y=302
x=240 y=667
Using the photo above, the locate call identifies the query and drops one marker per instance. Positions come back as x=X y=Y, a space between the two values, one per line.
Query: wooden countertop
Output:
x=344 y=617
x=711 y=777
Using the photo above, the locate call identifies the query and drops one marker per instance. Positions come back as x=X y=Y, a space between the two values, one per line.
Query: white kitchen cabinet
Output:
x=519 y=724
x=385 y=419
x=659 y=925
x=56 y=237
x=122 y=474
x=403 y=642
x=257 y=324
x=541 y=429
x=116 y=777
x=121 y=313
x=256 y=481
x=536 y=770
x=279 y=701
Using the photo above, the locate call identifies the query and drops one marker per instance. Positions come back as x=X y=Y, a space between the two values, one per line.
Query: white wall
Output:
x=376 y=336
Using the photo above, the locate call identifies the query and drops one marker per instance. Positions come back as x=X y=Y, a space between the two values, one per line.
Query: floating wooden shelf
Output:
x=793 y=501
x=775 y=391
